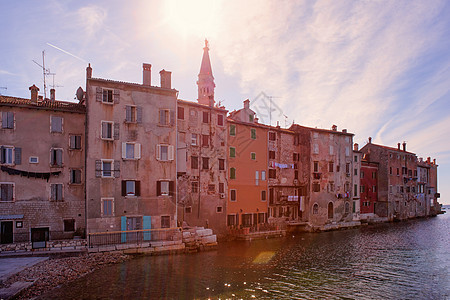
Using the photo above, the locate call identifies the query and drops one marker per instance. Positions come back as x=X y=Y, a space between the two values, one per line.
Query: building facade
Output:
x=42 y=169
x=369 y=187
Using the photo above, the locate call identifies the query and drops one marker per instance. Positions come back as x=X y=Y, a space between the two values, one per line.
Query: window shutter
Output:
x=78 y=176
x=137 y=188
x=53 y=192
x=59 y=157
x=171 y=152
x=104 y=130
x=117 y=168
x=99 y=94
x=171 y=188
x=3 y=154
x=18 y=156
x=128 y=113
x=59 y=192
x=116 y=96
x=116 y=131
x=98 y=168
x=137 y=151
x=124 y=188
x=158 y=188
x=139 y=114
x=124 y=150
x=72 y=142
x=158 y=152
x=172 y=118
x=10 y=120
x=78 y=141
x=4 y=120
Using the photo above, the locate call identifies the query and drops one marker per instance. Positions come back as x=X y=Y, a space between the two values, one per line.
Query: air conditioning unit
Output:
x=222 y=195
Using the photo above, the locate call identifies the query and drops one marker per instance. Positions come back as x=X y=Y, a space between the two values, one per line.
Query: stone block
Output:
x=106 y=248
x=186 y=234
x=204 y=232
x=157 y=244
x=93 y=250
x=209 y=239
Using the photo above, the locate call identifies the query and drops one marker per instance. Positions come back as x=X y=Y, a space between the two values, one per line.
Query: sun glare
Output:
x=194 y=18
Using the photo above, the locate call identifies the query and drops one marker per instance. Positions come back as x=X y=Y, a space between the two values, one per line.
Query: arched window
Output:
x=315 y=209
x=330 y=210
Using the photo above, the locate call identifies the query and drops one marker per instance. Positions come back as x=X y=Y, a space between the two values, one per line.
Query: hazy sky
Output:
x=378 y=68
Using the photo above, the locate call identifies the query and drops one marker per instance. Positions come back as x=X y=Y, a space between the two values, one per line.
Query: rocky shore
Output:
x=51 y=273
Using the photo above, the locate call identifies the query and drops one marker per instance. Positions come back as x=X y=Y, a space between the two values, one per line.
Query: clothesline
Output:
x=43 y=175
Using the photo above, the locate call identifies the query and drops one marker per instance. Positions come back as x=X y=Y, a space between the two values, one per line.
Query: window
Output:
x=221 y=187
x=347 y=168
x=56 y=124
x=263 y=175
x=331 y=150
x=164 y=152
x=296 y=174
x=34 y=159
x=6 y=192
x=130 y=114
x=253 y=155
x=205 y=163
x=221 y=164
x=232 y=129
x=361 y=174
x=356 y=158
x=56 y=157
x=362 y=189
x=75 y=142
x=232 y=152
x=180 y=113
x=316 y=148
x=231 y=220
x=131 y=188
x=398 y=172
x=295 y=156
x=107 y=208
x=164 y=117
x=188 y=209
x=256 y=177
x=7 y=155
x=272 y=173
x=271 y=154
x=253 y=133
x=75 y=176
x=164 y=188
x=250 y=118
x=272 y=136
x=315 y=209
x=219 y=209
x=390 y=170
x=194 y=162
x=220 y=120
x=347 y=151
x=107 y=130
x=374 y=175
x=316 y=187
x=107 y=168
x=131 y=150
x=7 y=120
x=233 y=196
x=56 y=192
x=107 y=96
x=331 y=166
x=165 y=221
x=356 y=172
x=316 y=166
x=194 y=186
x=374 y=188
x=194 y=139
x=232 y=173
x=263 y=196
x=331 y=187
x=69 y=225
x=355 y=190
x=205 y=140
x=205 y=118
x=211 y=188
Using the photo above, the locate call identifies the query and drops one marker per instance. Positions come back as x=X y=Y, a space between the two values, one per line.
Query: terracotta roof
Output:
x=201 y=105
x=131 y=83
x=46 y=104
x=268 y=127
x=321 y=130
x=390 y=148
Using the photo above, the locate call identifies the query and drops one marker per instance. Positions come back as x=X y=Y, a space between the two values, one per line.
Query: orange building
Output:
x=247 y=161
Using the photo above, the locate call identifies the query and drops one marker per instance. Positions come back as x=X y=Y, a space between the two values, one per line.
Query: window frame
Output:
x=102 y=170
x=53 y=119
x=233 y=195
x=13 y=192
x=136 y=150
x=102 y=208
x=54 y=197
x=111 y=124
x=54 y=157
x=73 y=176
x=7 y=120
x=106 y=93
x=253 y=133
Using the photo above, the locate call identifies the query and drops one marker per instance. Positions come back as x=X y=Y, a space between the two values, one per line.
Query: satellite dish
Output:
x=80 y=93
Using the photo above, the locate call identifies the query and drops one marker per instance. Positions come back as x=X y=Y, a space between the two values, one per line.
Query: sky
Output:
x=376 y=68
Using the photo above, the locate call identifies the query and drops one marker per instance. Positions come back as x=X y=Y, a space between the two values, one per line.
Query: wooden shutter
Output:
x=78 y=142
x=116 y=131
x=117 y=168
x=99 y=94
x=128 y=113
x=124 y=188
x=59 y=192
x=171 y=188
x=124 y=150
x=98 y=168
x=158 y=152
x=53 y=192
x=172 y=118
x=104 y=130
x=137 y=151
x=116 y=96
x=171 y=152
x=137 y=188
x=139 y=114
x=58 y=157
x=3 y=154
x=72 y=142
x=158 y=188
x=18 y=156
x=77 y=176
x=10 y=120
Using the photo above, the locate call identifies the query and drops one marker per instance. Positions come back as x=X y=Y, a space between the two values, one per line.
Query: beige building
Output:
x=42 y=169
x=130 y=163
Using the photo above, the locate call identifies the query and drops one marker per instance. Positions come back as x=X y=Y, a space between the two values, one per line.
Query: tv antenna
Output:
x=270 y=108
x=45 y=72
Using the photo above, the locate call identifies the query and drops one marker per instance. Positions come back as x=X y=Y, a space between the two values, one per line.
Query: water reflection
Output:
x=396 y=261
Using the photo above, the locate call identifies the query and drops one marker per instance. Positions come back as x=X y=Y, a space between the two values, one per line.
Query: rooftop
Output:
x=46 y=104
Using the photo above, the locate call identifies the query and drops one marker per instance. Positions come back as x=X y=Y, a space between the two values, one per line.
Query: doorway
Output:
x=6 y=235
x=39 y=237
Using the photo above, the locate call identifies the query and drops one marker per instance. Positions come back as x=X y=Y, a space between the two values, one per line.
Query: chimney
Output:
x=88 y=72
x=34 y=93
x=146 y=74
x=434 y=161
x=165 y=79
x=334 y=128
x=355 y=147
x=404 y=146
x=398 y=146
x=420 y=159
x=52 y=94
x=40 y=98
x=344 y=130
x=247 y=104
x=370 y=140
x=428 y=159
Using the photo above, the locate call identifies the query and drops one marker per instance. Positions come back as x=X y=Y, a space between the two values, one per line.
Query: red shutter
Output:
x=158 y=188
x=124 y=188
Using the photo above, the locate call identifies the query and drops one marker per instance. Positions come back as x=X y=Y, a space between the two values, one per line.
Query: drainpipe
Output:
x=176 y=161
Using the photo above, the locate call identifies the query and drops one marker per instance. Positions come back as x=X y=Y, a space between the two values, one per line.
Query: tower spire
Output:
x=205 y=81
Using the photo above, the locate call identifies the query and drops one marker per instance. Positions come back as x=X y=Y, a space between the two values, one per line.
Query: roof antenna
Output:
x=45 y=72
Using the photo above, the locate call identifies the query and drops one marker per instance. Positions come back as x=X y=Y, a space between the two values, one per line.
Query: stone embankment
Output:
x=51 y=273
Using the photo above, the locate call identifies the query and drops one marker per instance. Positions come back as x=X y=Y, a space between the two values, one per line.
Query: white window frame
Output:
x=235 y=194
x=263 y=175
x=62 y=192
x=30 y=160
x=74 y=145
x=52 y=118
x=11 y=150
x=133 y=114
x=105 y=92
x=170 y=152
x=165 y=183
x=5 y=120
x=131 y=187
x=331 y=150
x=112 y=130
x=112 y=206
x=194 y=139
x=166 y=116
x=13 y=191
x=54 y=164
x=136 y=150
x=112 y=168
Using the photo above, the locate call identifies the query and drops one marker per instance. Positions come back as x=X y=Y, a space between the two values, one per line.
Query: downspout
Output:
x=176 y=160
